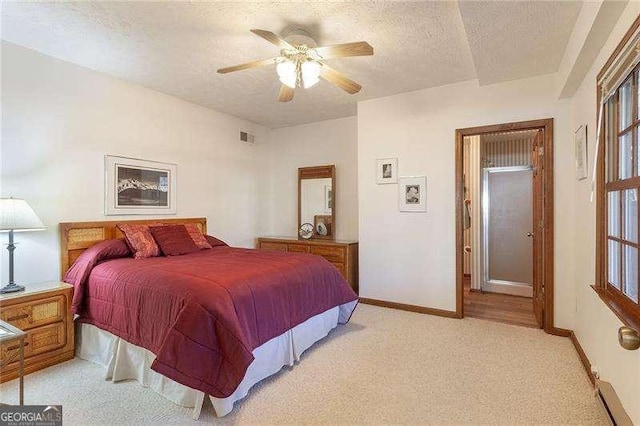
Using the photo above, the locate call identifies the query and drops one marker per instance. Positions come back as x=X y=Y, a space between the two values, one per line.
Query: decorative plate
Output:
x=306 y=231
x=321 y=229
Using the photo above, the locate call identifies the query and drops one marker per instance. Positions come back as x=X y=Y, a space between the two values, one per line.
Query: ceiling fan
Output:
x=301 y=63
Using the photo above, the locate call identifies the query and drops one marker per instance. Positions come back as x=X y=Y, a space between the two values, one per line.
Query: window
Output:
x=619 y=183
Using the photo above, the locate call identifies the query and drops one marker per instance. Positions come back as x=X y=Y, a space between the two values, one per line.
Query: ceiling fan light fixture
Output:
x=301 y=62
x=287 y=73
x=310 y=73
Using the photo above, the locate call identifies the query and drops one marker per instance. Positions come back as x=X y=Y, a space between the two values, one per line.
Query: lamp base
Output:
x=11 y=288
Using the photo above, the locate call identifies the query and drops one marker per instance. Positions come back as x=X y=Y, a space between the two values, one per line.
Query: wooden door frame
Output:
x=547 y=215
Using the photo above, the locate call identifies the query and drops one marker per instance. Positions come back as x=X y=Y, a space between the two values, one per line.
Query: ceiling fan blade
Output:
x=273 y=38
x=286 y=93
x=339 y=79
x=248 y=65
x=360 y=48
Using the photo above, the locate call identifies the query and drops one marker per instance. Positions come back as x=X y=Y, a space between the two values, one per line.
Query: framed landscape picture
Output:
x=386 y=170
x=134 y=186
x=412 y=194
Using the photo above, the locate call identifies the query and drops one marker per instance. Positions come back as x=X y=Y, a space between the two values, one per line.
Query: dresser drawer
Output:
x=34 y=314
x=298 y=248
x=332 y=254
x=37 y=341
x=342 y=254
x=273 y=246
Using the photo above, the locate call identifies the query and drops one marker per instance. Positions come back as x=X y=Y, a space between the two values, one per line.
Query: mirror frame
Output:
x=318 y=172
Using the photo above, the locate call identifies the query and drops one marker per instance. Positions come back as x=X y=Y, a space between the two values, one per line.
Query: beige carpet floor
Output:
x=385 y=366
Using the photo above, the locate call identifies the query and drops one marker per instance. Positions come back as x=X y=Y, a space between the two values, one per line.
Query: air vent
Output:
x=247 y=137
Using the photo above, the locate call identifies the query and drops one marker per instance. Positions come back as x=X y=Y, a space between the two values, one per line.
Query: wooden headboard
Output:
x=76 y=237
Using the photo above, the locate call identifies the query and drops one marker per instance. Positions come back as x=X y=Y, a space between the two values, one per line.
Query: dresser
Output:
x=342 y=254
x=43 y=312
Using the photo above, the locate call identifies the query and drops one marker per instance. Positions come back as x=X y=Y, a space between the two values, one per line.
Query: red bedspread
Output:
x=203 y=314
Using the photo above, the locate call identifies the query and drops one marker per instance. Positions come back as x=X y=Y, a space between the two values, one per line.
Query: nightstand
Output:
x=43 y=312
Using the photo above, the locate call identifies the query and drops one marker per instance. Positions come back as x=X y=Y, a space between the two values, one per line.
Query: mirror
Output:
x=316 y=201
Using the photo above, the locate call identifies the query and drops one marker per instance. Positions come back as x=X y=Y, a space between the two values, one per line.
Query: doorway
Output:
x=504 y=223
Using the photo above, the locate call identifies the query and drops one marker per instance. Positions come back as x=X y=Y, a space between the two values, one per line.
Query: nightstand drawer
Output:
x=38 y=340
x=43 y=312
x=332 y=254
x=298 y=248
x=273 y=246
x=33 y=314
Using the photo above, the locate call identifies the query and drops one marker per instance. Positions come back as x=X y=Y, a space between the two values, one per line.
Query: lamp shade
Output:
x=310 y=73
x=287 y=73
x=17 y=215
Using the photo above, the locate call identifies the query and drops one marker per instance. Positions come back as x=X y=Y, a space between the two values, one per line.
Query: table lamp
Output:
x=16 y=216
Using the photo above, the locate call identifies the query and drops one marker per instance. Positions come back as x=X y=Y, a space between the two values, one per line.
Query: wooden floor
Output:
x=498 y=307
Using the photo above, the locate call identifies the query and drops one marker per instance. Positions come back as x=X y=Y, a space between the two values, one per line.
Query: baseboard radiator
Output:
x=611 y=405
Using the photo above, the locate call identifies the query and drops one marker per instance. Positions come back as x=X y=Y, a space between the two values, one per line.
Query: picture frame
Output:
x=580 y=152
x=328 y=199
x=135 y=186
x=412 y=194
x=386 y=170
x=322 y=226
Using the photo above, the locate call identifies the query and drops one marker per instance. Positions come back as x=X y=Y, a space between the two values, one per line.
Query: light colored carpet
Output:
x=385 y=366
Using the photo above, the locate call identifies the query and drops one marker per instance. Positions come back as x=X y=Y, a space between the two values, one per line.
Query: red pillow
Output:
x=196 y=236
x=140 y=240
x=173 y=240
x=214 y=242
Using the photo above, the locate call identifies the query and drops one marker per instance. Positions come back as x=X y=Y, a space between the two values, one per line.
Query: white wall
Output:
x=596 y=325
x=58 y=122
x=316 y=144
x=410 y=257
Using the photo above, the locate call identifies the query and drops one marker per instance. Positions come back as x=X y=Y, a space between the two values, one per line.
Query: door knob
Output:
x=529 y=234
x=629 y=338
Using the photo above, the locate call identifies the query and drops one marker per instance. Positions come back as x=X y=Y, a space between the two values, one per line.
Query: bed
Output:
x=207 y=324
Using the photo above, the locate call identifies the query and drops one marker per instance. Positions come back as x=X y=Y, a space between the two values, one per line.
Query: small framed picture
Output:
x=412 y=194
x=322 y=226
x=580 y=142
x=386 y=170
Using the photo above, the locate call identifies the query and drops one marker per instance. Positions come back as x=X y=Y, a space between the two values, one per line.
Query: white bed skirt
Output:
x=125 y=361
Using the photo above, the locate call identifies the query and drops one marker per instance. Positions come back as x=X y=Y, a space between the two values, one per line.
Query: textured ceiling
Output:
x=176 y=48
x=512 y=39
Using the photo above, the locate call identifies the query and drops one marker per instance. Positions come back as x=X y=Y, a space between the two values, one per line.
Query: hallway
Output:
x=498 y=307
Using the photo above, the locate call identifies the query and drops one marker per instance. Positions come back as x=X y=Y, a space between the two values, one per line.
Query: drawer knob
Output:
x=18 y=317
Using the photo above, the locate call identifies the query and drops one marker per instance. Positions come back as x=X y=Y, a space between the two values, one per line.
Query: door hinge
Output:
x=541 y=224
x=541 y=151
